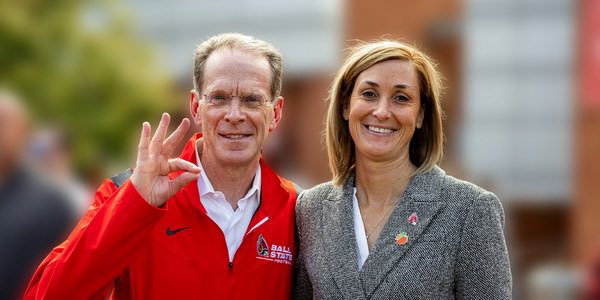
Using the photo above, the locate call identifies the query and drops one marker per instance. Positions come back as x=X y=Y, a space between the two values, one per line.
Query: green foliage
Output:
x=81 y=65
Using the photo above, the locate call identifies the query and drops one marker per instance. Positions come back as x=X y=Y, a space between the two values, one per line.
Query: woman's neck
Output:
x=382 y=182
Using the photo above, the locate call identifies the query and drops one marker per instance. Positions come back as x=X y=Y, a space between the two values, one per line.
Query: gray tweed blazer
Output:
x=455 y=251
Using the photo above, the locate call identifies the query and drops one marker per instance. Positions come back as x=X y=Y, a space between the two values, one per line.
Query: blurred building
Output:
x=517 y=121
x=517 y=129
x=586 y=193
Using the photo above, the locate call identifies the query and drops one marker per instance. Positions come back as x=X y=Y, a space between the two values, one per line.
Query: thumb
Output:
x=180 y=181
x=179 y=164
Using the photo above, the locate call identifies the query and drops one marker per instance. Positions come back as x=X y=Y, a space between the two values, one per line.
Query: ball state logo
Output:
x=261 y=247
x=280 y=254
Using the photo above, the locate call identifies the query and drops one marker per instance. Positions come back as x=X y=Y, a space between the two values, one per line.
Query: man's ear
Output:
x=277 y=113
x=195 y=107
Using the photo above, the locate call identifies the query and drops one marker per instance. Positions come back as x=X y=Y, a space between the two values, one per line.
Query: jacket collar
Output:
x=272 y=186
x=419 y=188
x=421 y=197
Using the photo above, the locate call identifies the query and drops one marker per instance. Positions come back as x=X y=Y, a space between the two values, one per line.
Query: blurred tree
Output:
x=79 y=63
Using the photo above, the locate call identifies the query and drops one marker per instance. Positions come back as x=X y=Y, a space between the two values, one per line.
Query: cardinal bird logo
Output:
x=262 y=248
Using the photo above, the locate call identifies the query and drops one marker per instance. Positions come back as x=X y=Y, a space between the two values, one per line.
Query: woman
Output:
x=392 y=224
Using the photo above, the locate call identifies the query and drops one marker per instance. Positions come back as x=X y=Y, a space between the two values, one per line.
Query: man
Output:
x=215 y=223
x=34 y=214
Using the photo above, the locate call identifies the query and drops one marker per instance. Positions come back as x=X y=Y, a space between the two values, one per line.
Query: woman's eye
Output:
x=369 y=94
x=400 y=98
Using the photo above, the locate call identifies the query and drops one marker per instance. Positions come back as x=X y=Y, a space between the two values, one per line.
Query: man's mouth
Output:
x=234 y=136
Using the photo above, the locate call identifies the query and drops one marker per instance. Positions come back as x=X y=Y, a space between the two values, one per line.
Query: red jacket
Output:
x=128 y=249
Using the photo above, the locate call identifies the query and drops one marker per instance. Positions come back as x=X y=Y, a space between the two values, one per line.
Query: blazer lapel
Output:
x=340 y=241
x=421 y=198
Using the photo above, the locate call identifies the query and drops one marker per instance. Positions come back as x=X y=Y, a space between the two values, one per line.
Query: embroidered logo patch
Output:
x=275 y=253
x=262 y=248
x=174 y=231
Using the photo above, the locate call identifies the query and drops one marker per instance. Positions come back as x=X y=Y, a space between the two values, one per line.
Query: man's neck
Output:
x=233 y=181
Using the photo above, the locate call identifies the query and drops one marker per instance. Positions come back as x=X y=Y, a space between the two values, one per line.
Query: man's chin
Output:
x=237 y=157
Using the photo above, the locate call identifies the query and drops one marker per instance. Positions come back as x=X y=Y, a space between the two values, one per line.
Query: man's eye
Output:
x=217 y=98
x=252 y=100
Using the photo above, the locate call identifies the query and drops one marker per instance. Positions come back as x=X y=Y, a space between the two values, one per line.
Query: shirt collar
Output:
x=205 y=186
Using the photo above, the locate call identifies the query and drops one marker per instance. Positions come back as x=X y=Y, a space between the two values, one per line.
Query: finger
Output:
x=175 y=138
x=144 y=141
x=180 y=181
x=179 y=164
x=159 y=135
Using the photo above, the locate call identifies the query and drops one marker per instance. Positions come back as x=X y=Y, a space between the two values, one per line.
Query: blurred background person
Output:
x=50 y=152
x=34 y=214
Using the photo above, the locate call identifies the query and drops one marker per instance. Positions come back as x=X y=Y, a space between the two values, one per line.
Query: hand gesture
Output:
x=150 y=176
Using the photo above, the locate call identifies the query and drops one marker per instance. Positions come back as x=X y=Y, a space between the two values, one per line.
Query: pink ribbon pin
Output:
x=413 y=219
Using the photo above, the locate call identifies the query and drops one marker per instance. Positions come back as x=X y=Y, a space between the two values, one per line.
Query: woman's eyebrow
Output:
x=398 y=86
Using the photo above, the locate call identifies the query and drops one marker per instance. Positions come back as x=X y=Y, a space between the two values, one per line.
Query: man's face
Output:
x=234 y=129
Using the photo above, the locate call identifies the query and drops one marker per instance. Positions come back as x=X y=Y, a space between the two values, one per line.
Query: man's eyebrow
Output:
x=217 y=90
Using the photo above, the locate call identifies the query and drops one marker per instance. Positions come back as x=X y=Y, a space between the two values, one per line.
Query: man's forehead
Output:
x=230 y=69
x=235 y=56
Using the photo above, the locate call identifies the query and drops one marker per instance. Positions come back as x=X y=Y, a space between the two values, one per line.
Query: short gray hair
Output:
x=242 y=42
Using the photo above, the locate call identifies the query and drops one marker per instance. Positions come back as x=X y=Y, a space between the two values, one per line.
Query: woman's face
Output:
x=384 y=111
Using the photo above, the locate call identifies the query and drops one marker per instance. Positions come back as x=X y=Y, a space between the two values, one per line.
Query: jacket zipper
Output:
x=260 y=223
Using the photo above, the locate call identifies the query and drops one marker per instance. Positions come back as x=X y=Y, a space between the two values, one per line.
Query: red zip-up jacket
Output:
x=124 y=248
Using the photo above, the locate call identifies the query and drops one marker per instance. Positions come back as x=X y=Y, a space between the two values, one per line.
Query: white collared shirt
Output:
x=233 y=223
x=359 y=230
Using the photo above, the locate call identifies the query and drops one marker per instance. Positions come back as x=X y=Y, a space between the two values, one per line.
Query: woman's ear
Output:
x=420 y=118
x=346 y=112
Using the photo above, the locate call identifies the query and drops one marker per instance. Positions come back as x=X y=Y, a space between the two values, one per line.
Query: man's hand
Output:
x=150 y=176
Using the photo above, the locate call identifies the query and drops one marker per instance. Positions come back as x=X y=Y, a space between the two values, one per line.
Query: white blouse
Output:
x=359 y=230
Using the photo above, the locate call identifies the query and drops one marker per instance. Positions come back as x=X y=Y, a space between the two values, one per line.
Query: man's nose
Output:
x=235 y=112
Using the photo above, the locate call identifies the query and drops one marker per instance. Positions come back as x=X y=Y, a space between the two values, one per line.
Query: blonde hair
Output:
x=426 y=145
x=242 y=42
